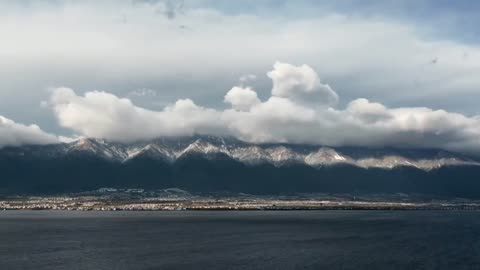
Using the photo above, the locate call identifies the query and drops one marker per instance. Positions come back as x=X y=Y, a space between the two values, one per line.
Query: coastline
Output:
x=112 y=203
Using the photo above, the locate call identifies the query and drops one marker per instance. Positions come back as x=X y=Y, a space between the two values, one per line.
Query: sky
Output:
x=361 y=73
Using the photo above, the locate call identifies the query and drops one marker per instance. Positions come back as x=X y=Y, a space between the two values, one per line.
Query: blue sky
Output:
x=399 y=54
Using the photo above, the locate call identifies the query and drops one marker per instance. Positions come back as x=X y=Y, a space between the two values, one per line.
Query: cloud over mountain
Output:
x=12 y=133
x=198 y=49
x=104 y=115
x=300 y=109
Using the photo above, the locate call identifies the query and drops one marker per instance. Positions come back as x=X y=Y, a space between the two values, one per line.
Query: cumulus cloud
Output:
x=242 y=99
x=280 y=118
x=104 y=115
x=79 y=41
x=15 y=134
x=300 y=83
x=91 y=45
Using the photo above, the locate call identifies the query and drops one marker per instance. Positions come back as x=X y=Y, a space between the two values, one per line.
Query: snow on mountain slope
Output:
x=171 y=149
x=326 y=156
x=428 y=165
x=278 y=156
x=387 y=162
x=203 y=147
x=282 y=155
x=252 y=155
x=98 y=148
x=150 y=151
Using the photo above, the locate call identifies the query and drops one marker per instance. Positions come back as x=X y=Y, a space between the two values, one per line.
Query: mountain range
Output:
x=209 y=164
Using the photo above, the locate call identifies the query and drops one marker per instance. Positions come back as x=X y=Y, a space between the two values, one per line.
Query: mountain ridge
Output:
x=172 y=149
x=212 y=164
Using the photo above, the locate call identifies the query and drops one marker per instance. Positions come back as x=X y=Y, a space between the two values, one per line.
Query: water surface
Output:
x=240 y=240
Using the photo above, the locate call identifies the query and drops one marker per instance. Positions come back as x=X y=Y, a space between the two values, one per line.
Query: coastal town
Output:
x=110 y=199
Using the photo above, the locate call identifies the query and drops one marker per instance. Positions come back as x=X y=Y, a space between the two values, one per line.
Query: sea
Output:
x=240 y=240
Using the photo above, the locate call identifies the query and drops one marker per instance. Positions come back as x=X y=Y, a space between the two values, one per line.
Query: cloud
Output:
x=247 y=78
x=44 y=104
x=88 y=45
x=242 y=99
x=171 y=8
x=168 y=8
x=104 y=115
x=282 y=117
x=143 y=92
x=16 y=134
x=300 y=83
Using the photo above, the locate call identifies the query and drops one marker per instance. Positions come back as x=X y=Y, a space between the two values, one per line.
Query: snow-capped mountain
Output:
x=150 y=151
x=282 y=155
x=327 y=156
x=212 y=164
x=172 y=149
x=204 y=148
x=251 y=155
x=97 y=148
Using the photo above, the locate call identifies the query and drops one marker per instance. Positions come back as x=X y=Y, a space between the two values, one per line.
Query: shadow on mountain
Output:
x=197 y=173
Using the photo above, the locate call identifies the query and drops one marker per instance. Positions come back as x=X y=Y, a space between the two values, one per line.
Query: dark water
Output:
x=240 y=240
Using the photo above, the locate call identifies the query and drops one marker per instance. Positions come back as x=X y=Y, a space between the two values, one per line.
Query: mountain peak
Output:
x=97 y=147
x=326 y=156
x=203 y=147
x=171 y=149
x=281 y=155
x=151 y=151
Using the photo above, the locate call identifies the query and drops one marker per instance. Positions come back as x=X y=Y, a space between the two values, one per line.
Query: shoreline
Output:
x=264 y=206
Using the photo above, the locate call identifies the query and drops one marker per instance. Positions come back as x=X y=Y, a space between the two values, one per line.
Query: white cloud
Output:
x=91 y=44
x=104 y=115
x=300 y=83
x=16 y=134
x=242 y=99
x=87 y=44
x=280 y=118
